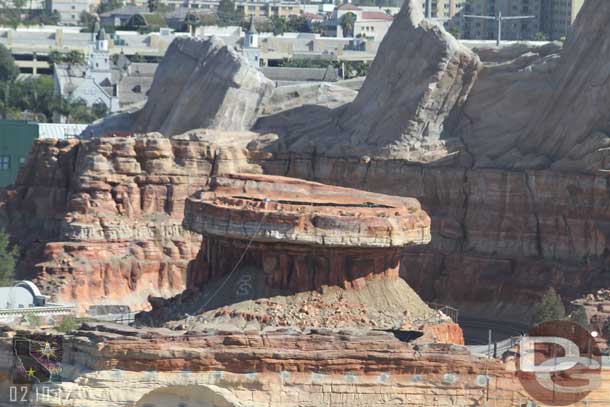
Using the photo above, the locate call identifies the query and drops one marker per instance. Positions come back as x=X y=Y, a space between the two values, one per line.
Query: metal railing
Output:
x=451 y=312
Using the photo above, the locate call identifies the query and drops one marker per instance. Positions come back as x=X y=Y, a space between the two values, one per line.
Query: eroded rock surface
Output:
x=280 y=251
x=100 y=221
x=120 y=366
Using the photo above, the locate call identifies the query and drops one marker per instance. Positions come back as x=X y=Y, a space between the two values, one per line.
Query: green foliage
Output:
x=8 y=68
x=33 y=320
x=34 y=95
x=108 y=5
x=305 y=63
x=550 y=308
x=99 y=110
x=579 y=315
x=347 y=24
x=227 y=14
x=77 y=111
x=298 y=24
x=10 y=13
x=34 y=98
x=88 y=20
x=8 y=259
x=67 y=324
x=354 y=69
x=153 y=5
x=540 y=36
x=45 y=17
x=454 y=31
x=73 y=57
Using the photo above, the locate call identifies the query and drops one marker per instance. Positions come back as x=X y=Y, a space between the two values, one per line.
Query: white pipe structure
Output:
x=499 y=18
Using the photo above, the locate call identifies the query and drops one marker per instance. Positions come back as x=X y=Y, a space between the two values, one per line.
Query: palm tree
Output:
x=347 y=24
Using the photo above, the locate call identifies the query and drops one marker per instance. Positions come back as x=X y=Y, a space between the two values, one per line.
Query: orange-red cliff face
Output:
x=100 y=221
x=497 y=236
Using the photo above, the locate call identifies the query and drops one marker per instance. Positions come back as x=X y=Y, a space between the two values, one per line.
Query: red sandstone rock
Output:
x=99 y=221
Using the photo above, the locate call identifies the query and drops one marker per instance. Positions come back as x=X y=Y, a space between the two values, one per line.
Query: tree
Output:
x=550 y=308
x=227 y=14
x=88 y=20
x=347 y=24
x=153 y=5
x=298 y=24
x=540 y=36
x=67 y=324
x=8 y=67
x=34 y=95
x=108 y=5
x=278 y=25
x=74 y=57
x=99 y=110
x=579 y=315
x=8 y=259
x=8 y=73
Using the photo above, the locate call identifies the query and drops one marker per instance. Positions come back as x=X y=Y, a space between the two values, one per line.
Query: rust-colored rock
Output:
x=280 y=251
x=99 y=221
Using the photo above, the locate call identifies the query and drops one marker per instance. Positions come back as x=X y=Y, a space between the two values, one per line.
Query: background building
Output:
x=70 y=10
x=558 y=16
x=257 y=8
x=553 y=18
x=17 y=137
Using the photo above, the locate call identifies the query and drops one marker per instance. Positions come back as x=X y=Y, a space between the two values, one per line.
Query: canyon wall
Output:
x=100 y=221
x=111 y=365
x=499 y=238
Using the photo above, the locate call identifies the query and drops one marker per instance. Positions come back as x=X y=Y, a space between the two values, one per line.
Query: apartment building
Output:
x=553 y=18
x=558 y=16
x=258 y=8
x=70 y=10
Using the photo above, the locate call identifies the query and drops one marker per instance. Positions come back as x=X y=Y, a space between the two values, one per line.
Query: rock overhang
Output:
x=281 y=209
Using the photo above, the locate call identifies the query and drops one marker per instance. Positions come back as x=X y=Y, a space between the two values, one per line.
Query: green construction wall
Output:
x=16 y=139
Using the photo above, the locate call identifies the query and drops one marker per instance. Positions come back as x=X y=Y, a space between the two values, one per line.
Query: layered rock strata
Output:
x=115 y=366
x=100 y=221
x=267 y=237
x=207 y=84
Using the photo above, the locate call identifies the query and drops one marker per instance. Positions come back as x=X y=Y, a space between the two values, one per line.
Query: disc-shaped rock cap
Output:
x=288 y=210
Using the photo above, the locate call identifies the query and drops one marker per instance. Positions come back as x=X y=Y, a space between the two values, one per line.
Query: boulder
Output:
x=199 y=84
x=414 y=90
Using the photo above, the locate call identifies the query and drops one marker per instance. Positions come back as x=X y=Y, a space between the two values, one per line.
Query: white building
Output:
x=250 y=48
x=371 y=22
x=116 y=85
x=70 y=10
x=92 y=83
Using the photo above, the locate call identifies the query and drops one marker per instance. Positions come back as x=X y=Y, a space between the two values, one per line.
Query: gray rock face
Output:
x=572 y=130
x=509 y=93
x=199 y=84
x=414 y=90
x=203 y=84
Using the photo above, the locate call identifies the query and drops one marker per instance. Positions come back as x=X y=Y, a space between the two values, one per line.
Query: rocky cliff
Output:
x=99 y=221
x=206 y=84
x=108 y=365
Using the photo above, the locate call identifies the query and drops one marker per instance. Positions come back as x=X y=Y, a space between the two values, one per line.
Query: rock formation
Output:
x=572 y=130
x=206 y=84
x=276 y=244
x=413 y=93
x=99 y=221
x=111 y=366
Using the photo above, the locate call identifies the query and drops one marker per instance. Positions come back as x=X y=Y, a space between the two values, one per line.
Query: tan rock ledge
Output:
x=280 y=209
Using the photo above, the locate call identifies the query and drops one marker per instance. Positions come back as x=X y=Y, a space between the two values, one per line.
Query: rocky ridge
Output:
x=99 y=221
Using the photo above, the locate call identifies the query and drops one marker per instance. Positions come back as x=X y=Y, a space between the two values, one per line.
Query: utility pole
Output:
x=499 y=18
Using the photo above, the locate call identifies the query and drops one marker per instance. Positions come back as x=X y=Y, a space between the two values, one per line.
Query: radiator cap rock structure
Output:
x=284 y=251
